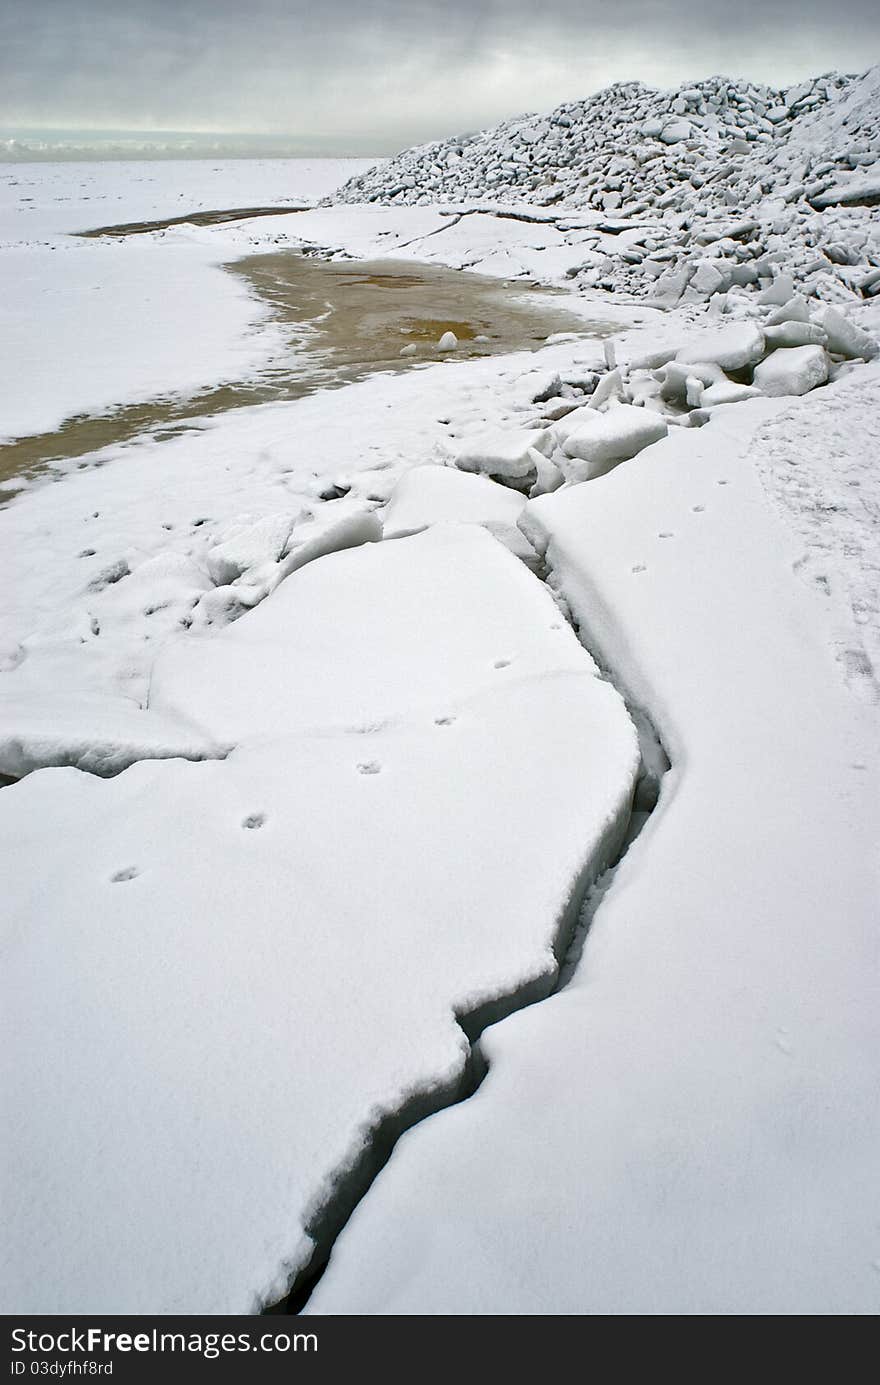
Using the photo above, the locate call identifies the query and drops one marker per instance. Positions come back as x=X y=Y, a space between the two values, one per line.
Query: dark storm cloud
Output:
x=388 y=72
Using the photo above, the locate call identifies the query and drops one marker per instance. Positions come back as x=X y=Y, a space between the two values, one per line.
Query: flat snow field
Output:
x=316 y=780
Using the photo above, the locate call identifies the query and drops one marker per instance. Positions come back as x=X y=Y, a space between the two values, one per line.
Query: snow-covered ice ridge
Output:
x=709 y=187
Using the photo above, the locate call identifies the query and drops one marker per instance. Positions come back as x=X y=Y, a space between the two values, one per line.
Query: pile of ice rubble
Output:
x=583 y=426
x=713 y=186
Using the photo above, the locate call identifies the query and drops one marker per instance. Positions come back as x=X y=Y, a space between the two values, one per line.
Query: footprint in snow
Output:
x=128 y=873
x=639 y=567
x=443 y=721
x=369 y=767
x=253 y=820
x=666 y=534
x=502 y=663
x=698 y=509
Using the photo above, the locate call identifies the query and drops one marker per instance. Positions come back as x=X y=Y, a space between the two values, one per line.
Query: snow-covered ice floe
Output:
x=100 y=734
x=692 y=1124
x=428 y=494
x=225 y=977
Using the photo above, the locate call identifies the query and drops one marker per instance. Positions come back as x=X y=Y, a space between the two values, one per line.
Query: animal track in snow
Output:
x=502 y=663
x=128 y=873
x=639 y=567
x=369 y=767
x=253 y=820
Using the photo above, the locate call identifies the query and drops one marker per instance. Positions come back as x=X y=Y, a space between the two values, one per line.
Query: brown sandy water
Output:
x=342 y=321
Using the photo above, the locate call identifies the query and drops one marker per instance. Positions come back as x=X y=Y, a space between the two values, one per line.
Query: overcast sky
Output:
x=380 y=74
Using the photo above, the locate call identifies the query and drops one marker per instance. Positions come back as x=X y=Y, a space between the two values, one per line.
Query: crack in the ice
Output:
x=595 y=879
x=456 y=217
x=447 y=226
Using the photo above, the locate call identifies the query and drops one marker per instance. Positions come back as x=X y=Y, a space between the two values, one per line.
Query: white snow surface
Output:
x=346 y=676
x=691 y=1125
x=39 y=201
x=227 y=973
x=99 y=734
x=428 y=494
x=89 y=325
x=818 y=463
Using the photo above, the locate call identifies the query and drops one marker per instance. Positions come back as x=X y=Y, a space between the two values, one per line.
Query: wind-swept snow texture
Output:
x=819 y=463
x=225 y=977
x=716 y=186
x=691 y=1126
